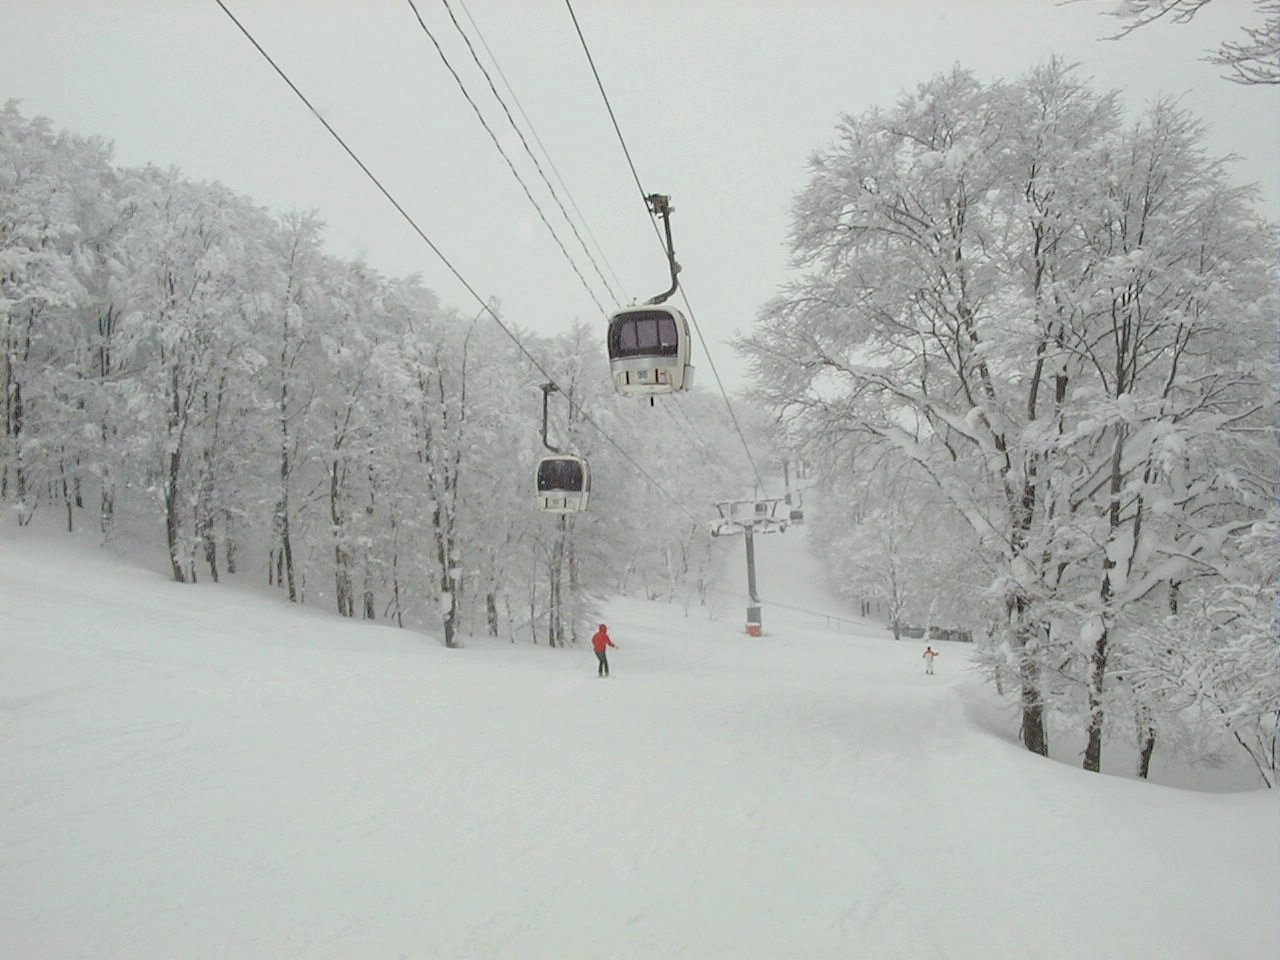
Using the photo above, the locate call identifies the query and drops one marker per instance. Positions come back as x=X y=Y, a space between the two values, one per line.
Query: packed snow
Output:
x=209 y=772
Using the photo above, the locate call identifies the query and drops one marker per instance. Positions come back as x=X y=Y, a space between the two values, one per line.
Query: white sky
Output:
x=721 y=102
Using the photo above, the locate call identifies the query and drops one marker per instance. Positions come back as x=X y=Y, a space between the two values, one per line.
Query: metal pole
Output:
x=753 y=611
x=661 y=205
x=547 y=388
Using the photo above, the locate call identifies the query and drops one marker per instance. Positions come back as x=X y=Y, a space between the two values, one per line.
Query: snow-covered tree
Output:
x=208 y=371
x=1253 y=59
x=55 y=192
x=188 y=337
x=289 y=307
x=1037 y=306
x=898 y=548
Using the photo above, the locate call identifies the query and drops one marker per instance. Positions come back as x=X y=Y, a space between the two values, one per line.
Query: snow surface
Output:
x=207 y=772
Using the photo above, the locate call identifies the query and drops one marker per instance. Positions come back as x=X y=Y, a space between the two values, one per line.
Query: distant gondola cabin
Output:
x=564 y=484
x=649 y=351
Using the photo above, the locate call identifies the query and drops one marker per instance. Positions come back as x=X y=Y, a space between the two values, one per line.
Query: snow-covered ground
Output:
x=206 y=772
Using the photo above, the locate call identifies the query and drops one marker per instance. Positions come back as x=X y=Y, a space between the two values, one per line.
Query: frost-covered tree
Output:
x=1253 y=59
x=177 y=360
x=1178 y=298
x=897 y=548
x=188 y=337
x=1039 y=307
x=289 y=308
x=56 y=190
x=1209 y=663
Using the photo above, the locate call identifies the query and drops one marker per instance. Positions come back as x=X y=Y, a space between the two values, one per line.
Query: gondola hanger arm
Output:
x=547 y=390
x=660 y=205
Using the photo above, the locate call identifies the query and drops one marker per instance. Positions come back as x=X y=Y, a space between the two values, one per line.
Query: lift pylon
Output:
x=746 y=517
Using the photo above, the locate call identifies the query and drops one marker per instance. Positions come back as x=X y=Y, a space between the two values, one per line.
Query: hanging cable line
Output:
x=448 y=264
x=498 y=146
x=541 y=146
x=636 y=176
x=689 y=422
x=723 y=393
x=609 y=107
x=693 y=445
x=527 y=149
x=695 y=441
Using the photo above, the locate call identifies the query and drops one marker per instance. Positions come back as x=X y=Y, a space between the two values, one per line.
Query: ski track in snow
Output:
x=207 y=772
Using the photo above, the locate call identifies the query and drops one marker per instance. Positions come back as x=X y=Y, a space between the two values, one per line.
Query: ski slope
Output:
x=206 y=772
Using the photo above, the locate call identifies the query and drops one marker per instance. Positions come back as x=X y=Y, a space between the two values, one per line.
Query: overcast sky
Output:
x=720 y=101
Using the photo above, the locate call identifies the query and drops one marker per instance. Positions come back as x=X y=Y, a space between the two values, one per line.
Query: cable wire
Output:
x=498 y=146
x=609 y=106
x=696 y=441
x=723 y=393
x=447 y=263
x=527 y=149
x=541 y=146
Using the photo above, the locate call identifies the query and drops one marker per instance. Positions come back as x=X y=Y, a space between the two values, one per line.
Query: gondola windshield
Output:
x=644 y=333
x=560 y=474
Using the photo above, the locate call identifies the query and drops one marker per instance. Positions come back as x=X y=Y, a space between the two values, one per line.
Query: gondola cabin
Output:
x=564 y=484
x=649 y=351
x=797 y=508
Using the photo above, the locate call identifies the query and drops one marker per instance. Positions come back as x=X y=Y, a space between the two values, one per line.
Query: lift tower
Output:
x=746 y=517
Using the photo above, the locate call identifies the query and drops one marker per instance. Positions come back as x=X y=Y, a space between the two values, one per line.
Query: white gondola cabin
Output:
x=649 y=350
x=797 y=507
x=564 y=484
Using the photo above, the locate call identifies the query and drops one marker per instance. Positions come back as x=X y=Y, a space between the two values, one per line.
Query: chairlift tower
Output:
x=746 y=517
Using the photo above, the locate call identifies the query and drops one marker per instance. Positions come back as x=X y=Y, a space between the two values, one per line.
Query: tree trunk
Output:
x=67 y=499
x=205 y=534
x=13 y=435
x=1034 y=735
x=282 y=523
x=342 y=582
x=555 y=621
x=229 y=550
x=343 y=593
x=575 y=611
x=491 y=612
x=1098 y=659
x=283 y=529
x=1147 y=745
x=553 y=597
x=1093 y=728
x=107 y=506
x=448 y=582
x=396 y=612
x=172 y=523
x=175 y=432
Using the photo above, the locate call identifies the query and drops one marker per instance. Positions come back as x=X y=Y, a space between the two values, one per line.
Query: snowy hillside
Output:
x=203 y=771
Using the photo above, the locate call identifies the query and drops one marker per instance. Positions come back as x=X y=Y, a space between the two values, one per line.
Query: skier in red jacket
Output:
x=599 y=643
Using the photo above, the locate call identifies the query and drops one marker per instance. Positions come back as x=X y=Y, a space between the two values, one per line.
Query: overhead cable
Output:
x=527 y=149
x=510 y=165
